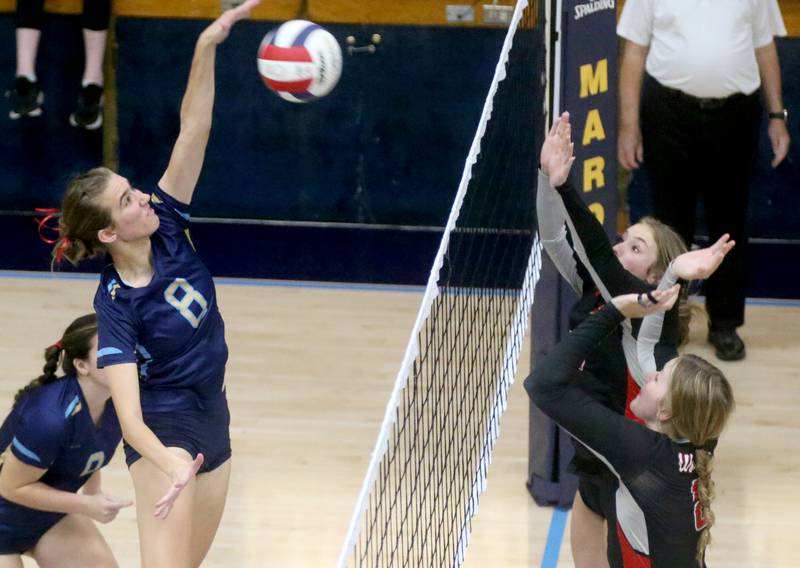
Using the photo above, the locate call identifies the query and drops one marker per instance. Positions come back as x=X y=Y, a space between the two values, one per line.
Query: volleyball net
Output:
x=430 y=462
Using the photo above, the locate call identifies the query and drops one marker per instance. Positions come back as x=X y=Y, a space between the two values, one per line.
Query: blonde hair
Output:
x=82 y=216
x=670 y=245
x=699 y=400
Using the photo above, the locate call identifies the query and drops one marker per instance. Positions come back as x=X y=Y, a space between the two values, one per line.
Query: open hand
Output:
x=700 y=264
x=640 y=305
x=181 y=476
x=219 y=29
x=556 y=157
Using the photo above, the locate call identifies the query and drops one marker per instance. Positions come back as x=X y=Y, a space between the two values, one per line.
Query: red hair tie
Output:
x=45 y=225
x=58 y=345
x=63 y=245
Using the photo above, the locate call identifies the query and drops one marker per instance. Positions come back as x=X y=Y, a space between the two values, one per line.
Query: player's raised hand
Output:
x=556 y=157
x=104 y=508
x=181 y=476
x=219 y=29
x=641 y=305
x=700 y=264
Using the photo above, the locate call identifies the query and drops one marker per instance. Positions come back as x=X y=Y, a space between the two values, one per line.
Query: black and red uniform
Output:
x=657 y=520
x=582 y=253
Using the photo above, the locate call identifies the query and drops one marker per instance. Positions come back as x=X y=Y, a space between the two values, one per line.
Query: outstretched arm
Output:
x=554 y=163
x=617 y=440
x=589 y=239
x=189 y=151
x=124 y=382
x=693 y=265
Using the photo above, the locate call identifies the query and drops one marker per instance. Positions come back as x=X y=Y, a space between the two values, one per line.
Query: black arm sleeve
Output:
x=599 y=253
x=625 y=445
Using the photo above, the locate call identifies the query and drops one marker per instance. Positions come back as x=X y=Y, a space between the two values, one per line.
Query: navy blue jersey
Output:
x=172 y=327
x=51 y=428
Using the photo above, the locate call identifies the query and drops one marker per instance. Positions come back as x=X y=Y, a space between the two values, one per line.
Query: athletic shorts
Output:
x=18 y=538
x=204 y=430
x=598 y=493
x=596 y=484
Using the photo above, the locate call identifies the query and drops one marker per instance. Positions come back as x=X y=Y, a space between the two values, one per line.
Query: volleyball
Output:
x=300 y=61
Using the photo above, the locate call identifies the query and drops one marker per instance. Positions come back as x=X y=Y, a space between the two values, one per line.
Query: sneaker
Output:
x=88 y=112
x=25 y=98
x=728 y=346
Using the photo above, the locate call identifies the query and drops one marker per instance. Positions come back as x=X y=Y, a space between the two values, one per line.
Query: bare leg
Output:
x=27 y=48
x=94 y=43
x=212 y=491
x=587 y=536
x=72 y=542
x=164 y=542
x=10 y=561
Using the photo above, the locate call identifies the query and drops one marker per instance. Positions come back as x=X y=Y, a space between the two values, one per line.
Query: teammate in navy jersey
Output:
x=60 y=432
x=162 y=340
x=649 y=255
x=663 y=501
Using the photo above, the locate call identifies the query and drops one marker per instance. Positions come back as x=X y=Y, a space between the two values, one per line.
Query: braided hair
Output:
x=74 y=344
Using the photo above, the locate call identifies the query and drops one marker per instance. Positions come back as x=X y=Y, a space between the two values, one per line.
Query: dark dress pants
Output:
x=701 y=149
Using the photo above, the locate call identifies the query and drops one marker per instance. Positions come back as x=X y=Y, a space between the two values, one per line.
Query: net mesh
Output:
x=432 y=455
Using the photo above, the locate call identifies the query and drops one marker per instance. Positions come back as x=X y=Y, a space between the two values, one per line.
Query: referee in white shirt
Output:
x=690 y=113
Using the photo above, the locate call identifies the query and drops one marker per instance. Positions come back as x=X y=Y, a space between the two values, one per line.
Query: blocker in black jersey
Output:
x=658 y=520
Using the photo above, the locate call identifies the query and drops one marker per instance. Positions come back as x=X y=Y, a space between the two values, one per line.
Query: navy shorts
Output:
x=205 y=431
x=17 y=538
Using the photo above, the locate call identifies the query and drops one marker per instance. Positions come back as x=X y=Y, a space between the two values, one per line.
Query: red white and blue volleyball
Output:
x=300 y=61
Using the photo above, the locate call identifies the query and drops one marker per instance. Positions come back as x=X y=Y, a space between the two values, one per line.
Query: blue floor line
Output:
x=555 y=535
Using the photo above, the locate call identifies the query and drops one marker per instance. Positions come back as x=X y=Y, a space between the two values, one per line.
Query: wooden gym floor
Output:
x=309 y=374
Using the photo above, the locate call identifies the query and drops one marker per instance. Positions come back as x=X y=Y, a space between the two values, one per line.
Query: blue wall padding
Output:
x=37 y=156
x=387 y=145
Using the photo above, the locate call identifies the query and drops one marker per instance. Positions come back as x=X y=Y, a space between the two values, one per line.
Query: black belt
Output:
x=708 y=103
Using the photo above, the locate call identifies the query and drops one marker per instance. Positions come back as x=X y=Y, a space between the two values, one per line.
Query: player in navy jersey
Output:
x=60 y=432
x=162 y=339
x=649 y=255
x=663 y=500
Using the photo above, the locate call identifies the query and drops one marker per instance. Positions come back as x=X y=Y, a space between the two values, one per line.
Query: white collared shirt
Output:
x=705 y=48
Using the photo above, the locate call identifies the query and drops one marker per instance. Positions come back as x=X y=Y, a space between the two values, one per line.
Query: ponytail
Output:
x=52 y=354
x=704 y=465
x=699 y=401
x=76 y=343
x=82 y=216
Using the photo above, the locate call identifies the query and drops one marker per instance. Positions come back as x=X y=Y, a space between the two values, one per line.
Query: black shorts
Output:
x=205 y=431
x=599 y=493
x=596 y=484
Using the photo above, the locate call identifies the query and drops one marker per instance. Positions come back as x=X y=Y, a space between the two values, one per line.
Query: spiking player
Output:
x=162 y=340
x=59 y=434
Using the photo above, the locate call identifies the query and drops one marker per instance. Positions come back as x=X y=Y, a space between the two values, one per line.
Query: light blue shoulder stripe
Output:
x=72 y=406
x=108 y=351
x=25 y=451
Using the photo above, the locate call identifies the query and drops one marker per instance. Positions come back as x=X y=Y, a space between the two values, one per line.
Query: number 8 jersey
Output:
x=172 y=327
